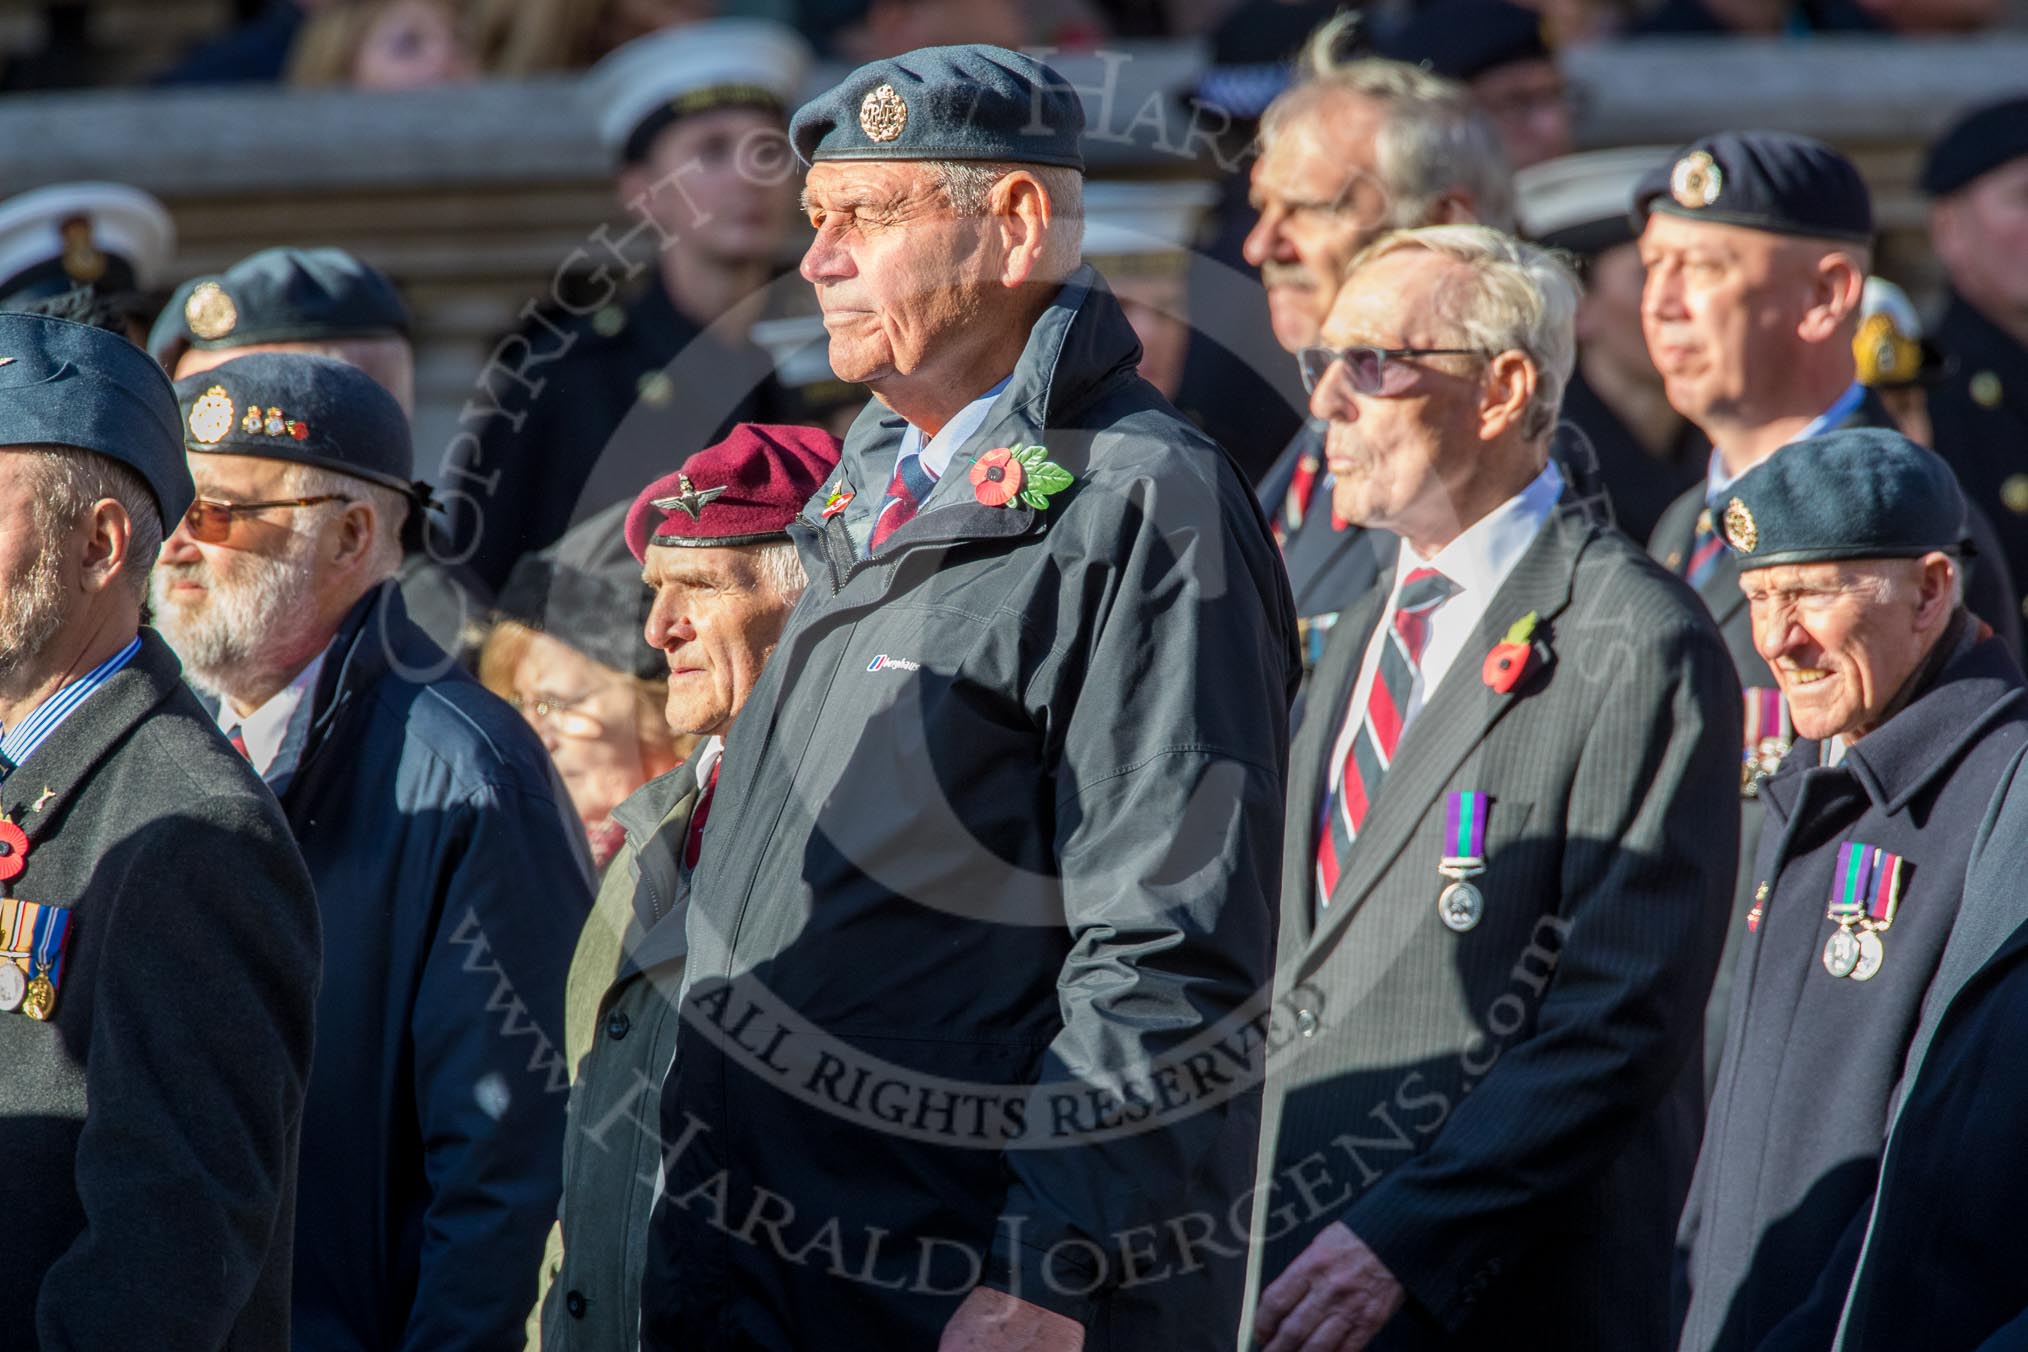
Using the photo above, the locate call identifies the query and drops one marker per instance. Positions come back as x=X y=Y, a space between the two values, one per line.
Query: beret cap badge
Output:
x=882 y=114
x=1696 y=180
x=211 y=415
x=1740 y=531
x=209 y=312
x=691 y=500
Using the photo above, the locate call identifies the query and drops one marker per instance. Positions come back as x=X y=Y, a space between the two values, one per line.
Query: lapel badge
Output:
x=210 y=312
x=1008 y=474
x=211 y=415
x=13 y=851
x=1740 y=531
x=1507 y=663
x=1460 y=906
x=1696 y=180
x=42 y=799
x=691 y=500
x=837 y=500
x=882 y=114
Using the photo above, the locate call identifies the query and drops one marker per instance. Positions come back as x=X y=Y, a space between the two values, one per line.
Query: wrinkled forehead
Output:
x=1406 y=298
x=1825 y=577
x=840 y=183
x=724 y=568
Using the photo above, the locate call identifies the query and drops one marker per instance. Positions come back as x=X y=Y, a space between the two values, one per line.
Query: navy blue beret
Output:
x=1857 y=493
x=1978 y=143
x=290 y=406
x=279 y=296
x=1763 y=180
x=945 y=103
x=65 y=384
x=1463 y=39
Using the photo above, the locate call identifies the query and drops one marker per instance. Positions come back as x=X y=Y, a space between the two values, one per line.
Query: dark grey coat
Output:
x=1033 y=847
x=151 y=1125
x=1509 y=1116
x=1941 y=1268
x=1796 y=1125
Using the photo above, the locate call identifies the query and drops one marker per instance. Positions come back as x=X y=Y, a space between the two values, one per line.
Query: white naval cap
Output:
x=1890 y=345
x=1144 y=220
x=1584 y=202
x=68 y=235
x=692 y=68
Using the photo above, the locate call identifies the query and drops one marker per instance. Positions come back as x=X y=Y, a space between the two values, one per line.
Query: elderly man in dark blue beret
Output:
x=992 y=867
x=1907 y=712
x=449 y=870
x=158 y=932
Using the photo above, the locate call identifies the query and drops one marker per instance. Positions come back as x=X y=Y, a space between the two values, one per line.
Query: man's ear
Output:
x=358 y=527
x=1020 y=207
x=1937 y=593
x=107 y=538
x=1506 y=394
x=1836 y=286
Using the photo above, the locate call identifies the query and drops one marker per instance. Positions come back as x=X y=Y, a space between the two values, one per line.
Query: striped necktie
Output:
x=1706 y=548
x=906 y=493
x=1380 y=727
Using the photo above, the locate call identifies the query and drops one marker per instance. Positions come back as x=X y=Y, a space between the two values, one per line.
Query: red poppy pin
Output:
x=1008 y=473
x=837 y=500
x=1507 y=663
x=13 y=851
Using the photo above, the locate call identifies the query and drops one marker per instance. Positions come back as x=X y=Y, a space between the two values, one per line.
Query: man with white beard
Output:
x=449 y=870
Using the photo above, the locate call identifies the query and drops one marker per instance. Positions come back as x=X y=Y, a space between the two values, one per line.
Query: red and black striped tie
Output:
x=1380 y=726
x=1706 y=548
x=906 y=493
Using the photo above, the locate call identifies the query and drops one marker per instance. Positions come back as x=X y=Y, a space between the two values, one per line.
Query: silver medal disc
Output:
x=1460 y=906
x=13 y=986
x=1871 y=954
x=1841 y=953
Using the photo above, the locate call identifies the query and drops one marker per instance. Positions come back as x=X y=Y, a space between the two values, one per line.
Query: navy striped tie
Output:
x=1380 y=726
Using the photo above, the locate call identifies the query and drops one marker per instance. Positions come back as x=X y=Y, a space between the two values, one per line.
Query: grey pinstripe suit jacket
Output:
x=1509 y=1116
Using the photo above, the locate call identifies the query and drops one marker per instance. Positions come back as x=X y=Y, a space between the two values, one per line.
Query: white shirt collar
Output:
x=1479 y=560
x=266 y=728
x=936 y=454
x=705 y=759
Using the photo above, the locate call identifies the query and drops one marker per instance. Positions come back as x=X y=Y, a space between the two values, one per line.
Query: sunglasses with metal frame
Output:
x=1372 y=370
x=210 y=520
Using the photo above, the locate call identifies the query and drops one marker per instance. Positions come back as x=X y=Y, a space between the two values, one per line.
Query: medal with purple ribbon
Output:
x=1866 y=891
x=1460 y=905
x=1769 y=735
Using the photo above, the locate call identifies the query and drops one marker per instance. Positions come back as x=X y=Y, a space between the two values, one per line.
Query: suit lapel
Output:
x=1310 y=757
x=1456 y=718
x=1720 y=592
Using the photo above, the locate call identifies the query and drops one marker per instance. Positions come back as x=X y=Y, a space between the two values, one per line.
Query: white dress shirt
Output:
x=937 y=452
x=266 y=728
x=1477 y=562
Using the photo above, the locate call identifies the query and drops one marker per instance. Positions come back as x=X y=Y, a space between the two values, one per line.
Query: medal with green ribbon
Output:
x=1460 y=906
x=1866 y=892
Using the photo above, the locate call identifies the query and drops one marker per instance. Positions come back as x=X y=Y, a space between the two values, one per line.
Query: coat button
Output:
x=1306 y=1022
x=618 y=1024
x=573 y=1304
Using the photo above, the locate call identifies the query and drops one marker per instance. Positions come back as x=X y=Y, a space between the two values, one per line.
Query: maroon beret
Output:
x=743 y=491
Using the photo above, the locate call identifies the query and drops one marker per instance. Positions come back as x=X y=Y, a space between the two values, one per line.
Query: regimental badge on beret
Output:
x=1696 y=180
x=882 y=114
x=1740 y=532
x=691 y=500
x=211 y=415
x=272 y=423
x=83 y=261
x=209 y=312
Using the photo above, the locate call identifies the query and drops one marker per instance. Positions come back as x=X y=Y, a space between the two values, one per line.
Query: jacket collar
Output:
x=656 y=818
x=376 y=638
x=1079 y=348
x=1910 y=751
x=63 y=762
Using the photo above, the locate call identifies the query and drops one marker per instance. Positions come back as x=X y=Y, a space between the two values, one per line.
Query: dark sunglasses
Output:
x=210 y=520
x=1372 y=370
